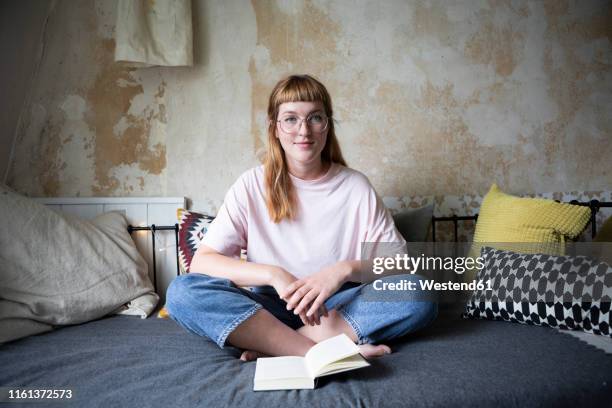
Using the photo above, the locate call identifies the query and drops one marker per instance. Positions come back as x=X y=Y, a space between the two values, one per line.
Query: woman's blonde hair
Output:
x=280 y=198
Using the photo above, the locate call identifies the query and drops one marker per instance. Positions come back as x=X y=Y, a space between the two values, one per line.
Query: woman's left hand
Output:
x=310 y=293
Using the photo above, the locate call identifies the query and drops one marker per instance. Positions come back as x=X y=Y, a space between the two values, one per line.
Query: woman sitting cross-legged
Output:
x=302 y=218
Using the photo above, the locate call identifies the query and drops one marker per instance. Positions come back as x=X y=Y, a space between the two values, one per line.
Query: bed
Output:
x=128 y=361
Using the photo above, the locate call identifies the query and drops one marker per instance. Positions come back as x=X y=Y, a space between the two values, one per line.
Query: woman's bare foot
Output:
x=370 y=350
x=249 y=355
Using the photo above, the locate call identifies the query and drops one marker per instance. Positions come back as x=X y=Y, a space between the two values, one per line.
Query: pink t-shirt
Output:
x=336 y=213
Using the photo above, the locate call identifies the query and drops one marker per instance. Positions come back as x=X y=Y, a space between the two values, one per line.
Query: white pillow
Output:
x=57 y=269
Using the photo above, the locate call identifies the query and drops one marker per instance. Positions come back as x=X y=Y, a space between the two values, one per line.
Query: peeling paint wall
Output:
x=431 y=97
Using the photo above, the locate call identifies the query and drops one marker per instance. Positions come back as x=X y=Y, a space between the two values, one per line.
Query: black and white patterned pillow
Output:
x=568 y=292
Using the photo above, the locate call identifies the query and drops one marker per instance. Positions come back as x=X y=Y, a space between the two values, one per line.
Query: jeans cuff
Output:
x=361 y=339
x=225 y=333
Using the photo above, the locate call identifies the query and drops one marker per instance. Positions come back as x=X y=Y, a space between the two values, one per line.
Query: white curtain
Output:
x=154 y=32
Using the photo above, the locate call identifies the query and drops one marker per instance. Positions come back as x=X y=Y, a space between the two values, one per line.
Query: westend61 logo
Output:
x=411 y=264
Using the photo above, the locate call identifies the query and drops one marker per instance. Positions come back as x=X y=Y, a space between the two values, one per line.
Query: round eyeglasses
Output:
x=317 y=122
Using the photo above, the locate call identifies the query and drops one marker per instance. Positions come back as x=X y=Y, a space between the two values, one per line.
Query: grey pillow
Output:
x=414 y=223
x=57 y=269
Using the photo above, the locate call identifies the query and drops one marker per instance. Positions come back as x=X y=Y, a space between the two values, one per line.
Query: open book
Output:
x=331 y=356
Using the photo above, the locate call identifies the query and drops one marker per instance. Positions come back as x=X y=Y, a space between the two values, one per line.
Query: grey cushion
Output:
x=414 y=223
x=605 y=232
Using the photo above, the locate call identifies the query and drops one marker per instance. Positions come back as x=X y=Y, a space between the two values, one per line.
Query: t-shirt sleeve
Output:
x=381 y=229
x=227 y=234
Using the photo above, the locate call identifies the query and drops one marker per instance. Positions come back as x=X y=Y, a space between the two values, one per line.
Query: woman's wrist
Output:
x=272 y=273
x=346 y=271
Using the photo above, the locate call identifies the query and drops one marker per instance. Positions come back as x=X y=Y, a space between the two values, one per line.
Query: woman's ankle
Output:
x=332 y=325
x=264 y=333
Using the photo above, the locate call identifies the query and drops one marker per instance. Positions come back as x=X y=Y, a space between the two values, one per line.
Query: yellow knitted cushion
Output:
x=541 y=225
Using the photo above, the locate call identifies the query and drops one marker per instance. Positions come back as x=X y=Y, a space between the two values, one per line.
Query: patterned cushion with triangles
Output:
x=192 y=228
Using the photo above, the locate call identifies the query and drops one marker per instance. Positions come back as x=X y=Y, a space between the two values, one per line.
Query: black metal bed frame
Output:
x=154 y=228
x=594 y=206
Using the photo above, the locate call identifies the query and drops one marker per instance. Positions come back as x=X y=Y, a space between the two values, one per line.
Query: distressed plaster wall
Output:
x=20 y=44
x=431 y=97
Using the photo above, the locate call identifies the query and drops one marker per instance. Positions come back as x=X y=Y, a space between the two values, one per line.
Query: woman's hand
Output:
x=309 y=294
x=280 y=280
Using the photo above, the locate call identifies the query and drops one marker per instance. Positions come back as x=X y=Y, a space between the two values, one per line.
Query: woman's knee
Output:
x=185 y=290
x=416 y=316
x=423 y=313
x=177 y=291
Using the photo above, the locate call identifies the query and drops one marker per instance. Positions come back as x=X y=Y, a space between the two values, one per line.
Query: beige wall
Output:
x=431 y=97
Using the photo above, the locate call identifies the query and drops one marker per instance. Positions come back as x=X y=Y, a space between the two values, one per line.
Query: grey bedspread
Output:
x=126 y=361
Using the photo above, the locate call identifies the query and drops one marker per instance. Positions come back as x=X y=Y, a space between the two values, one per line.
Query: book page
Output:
x=346 y=364
x=280 y=368
x=328 y=351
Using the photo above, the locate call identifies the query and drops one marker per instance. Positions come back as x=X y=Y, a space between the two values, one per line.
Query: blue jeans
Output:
x=214 y=307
